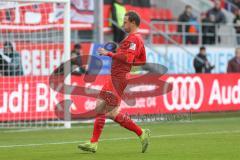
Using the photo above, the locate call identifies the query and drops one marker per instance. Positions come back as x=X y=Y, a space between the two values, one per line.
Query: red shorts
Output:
x=112 y=92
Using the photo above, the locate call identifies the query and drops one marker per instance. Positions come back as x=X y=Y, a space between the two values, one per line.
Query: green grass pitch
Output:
x=200 y=139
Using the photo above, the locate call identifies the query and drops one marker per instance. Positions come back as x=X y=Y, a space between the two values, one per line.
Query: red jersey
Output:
x=131 y=52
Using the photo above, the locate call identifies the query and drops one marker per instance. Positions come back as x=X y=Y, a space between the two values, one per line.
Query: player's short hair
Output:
x=202 y=48
x=188 y=6
x=133 y=17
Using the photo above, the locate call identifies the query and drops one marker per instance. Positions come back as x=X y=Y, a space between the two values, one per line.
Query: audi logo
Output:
x=187 y=93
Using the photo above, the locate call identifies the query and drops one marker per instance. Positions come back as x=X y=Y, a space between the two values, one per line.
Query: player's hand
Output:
x=102 y=51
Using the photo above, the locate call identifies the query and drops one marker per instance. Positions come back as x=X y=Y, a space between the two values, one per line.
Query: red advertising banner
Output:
x=27 y=98
x=195 y=93
x=30 y=98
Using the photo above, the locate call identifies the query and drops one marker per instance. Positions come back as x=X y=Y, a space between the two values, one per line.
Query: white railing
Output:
x=204 y=34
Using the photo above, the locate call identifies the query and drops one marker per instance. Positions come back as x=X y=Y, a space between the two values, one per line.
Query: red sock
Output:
x=127 y=123
x=98 y=127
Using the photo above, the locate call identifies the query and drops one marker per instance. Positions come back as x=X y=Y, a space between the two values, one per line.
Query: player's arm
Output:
x=117 y=56
x=136 y=52
x=129 y=52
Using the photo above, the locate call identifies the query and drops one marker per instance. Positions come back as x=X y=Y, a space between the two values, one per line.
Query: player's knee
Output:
x=112 y=112
x=100 y=106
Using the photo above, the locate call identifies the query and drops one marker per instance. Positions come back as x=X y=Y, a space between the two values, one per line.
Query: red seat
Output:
x=158 y=39
x=168 y=14
x=164 y=15
x=160 y=27
x=154 y=13
x=177 y=38
x=161 y=13
x=172 y=28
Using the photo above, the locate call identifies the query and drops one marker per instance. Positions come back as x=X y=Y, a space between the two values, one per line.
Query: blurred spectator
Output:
x=191 y=28
x=217 y=13
x=236 y=2
x=118 y=12
x=236 y=22
x=76 y=53
x=234 y=63
x=208 y=29
x=215 y=16
x=201 y=63
x=8 y=15
x=10 y=61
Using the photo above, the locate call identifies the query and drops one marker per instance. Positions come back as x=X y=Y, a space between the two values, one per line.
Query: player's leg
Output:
x=99 y=120
x=126 y=122
x=98 y=127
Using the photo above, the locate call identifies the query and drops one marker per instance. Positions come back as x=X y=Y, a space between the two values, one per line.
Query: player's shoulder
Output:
x=131 y=41
x=135 y=38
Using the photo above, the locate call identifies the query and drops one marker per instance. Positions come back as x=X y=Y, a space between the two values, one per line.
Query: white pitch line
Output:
x=50 y=129
x=117 y=139
x=112 y=125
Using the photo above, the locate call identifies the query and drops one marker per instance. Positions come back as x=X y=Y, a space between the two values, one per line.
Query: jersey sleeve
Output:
x=131 y=51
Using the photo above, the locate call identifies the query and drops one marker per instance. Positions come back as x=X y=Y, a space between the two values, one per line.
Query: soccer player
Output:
x=131 y=52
